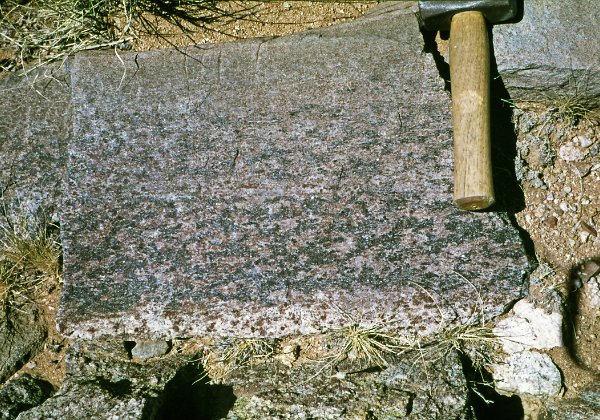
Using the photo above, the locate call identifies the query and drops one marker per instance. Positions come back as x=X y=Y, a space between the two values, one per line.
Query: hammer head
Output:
x=435 y=15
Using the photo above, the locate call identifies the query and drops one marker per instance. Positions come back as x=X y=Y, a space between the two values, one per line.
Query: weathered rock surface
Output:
x=103 y=383
x=265 y=187
x=553 y=52
x=527 y=327
x=528 y=372
x=35 y=125
x=22 y=335
x=149 y=349
x=585 y=406
x=420 y=386
x=22 y=394
x=262 y=148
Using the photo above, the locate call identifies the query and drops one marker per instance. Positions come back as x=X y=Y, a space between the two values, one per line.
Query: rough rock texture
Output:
x=21 y=337
x=553 y=52
x=22 y=394
x=264 y=187
x=528 y=372
x=585 y=406
x=149 y=349
x=424 y=386
x=103 y=383
x=35 y=125
x=527 y=327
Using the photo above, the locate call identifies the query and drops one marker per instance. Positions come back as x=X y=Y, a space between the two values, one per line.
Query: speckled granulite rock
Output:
x=265 y=187
x=583 y=406
x=21 y=394
x=35 y=125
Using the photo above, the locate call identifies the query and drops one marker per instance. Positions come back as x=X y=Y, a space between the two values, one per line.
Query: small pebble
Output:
x=149 y=349
x=564 y=206
x=31 y=365
x=582 y=141
x=551 y=221
x=567 y=190
x=571 y=153
x=583 y=237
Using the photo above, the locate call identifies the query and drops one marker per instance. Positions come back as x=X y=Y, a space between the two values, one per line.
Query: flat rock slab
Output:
x=272 y=187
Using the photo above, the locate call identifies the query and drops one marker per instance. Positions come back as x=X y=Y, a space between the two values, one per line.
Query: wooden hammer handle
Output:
x=470 y=82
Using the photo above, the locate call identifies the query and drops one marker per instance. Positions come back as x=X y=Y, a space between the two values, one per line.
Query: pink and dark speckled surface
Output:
x=266 y=187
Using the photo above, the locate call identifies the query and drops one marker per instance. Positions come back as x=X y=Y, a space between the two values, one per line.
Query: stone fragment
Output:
x=528 y=372
x=102 y=383
x=583 y=141
x=149 y=349
x=423 y=386
x=571 y=153
x=527 y=327
x=21 y=394
x=584 y=405
x=22 y=335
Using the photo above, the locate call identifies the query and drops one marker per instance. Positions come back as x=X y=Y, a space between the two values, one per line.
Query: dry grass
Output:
x=572 y=110
x=30 y=259
x=233 y=354
x=15 y=288
x=37 y=32
x=358 y=346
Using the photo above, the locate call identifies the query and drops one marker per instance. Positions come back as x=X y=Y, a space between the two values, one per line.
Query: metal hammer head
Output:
x=436 y=14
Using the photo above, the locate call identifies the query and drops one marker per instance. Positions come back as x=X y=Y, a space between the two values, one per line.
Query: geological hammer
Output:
x=470 y=87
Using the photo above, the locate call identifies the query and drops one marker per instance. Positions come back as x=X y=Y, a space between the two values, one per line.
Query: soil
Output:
x=558 y=166
x=558 y=163
x=247 y=20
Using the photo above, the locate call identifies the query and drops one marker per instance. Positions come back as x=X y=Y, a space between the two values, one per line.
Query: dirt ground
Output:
x=558 y=165
x=558 y=162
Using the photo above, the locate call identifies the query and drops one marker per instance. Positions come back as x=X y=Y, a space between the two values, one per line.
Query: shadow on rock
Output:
x=187 y=397
x=484 y=401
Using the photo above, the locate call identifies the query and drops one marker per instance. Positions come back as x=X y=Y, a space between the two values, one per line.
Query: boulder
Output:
x=552 y=52
x=21 y=394
x=271 y=186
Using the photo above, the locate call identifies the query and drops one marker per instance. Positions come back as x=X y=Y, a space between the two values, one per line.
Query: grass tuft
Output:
x=15 y=288
x=370 y=345
x=571 y=109
x=30 y=259
x=33 y=250
x=234 y=354
x=38 y=32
